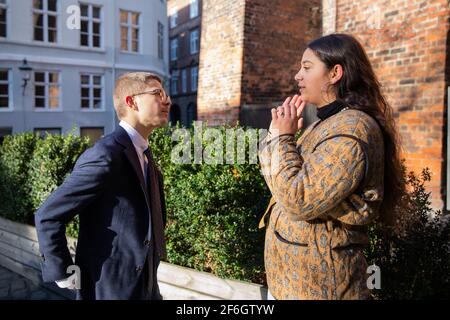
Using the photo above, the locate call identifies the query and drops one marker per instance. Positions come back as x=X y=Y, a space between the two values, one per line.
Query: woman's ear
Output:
x=336 y=74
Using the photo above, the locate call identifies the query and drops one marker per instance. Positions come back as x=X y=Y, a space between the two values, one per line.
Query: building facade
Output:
x=74 y=65
x=184 y=47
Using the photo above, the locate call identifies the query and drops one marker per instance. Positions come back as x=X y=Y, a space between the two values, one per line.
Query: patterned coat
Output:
x=326 y=189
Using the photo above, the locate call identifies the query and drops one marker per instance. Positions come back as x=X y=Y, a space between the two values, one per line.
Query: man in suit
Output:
x=117 y=192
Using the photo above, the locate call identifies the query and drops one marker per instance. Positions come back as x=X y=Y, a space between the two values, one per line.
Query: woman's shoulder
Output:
x=356 y=123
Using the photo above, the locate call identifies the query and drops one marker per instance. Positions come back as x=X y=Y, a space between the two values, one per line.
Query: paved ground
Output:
x=16 y=287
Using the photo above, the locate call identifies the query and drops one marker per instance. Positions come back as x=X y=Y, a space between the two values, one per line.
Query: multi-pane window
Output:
x=174 y=82
x=184 y=80
x=129 y=31
x=46 y=90
x=4 y=89
x=173 y=17
x=45 y=15
x=194 y=78
x=91 y=91
x=160 y=40
x=3 y=19
x=174 y=49
x=193 y=9
x=90 y=33
x=194 y=41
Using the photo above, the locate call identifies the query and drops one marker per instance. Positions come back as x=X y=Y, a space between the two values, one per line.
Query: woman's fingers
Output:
x=287 y=101
x=274 y=113
x=300 y=123
x=300 y=108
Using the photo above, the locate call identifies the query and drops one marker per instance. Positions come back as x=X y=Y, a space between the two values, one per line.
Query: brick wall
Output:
x=250 y=53
x=407 y=44
x=221 y=55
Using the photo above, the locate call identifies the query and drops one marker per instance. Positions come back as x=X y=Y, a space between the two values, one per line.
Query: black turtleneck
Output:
x=330 y=109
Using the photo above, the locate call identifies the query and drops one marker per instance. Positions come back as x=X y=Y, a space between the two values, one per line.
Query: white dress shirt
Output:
x=139 y=143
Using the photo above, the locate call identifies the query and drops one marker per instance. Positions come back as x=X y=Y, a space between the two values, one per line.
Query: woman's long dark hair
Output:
x=360 y=89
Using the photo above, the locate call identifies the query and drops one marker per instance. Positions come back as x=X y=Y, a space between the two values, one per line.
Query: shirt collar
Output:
x=138 y=141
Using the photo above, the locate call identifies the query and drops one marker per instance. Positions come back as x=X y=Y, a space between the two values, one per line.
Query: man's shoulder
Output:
x=106 y=148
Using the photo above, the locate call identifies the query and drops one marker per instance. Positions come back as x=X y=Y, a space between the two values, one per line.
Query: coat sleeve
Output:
x=308 y=188
x=86 y=182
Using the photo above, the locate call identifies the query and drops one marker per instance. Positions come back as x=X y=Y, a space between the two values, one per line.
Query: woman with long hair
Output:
x=342 y=174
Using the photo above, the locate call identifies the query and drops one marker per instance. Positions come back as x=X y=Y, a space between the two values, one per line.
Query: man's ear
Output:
x=336 y=74
x=130 y=102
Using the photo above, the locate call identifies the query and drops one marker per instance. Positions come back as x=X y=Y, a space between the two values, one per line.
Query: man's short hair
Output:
x=128 y=84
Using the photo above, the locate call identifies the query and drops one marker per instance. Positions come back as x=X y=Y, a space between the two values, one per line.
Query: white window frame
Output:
x=160 y=40
x=8 y=82
x=174 y=82
x=45 y=13
x=194 y=79
x=194 y=41
x=90 y=21
x=130 y=27
x=5 y=7
x=91 y=86
x=193 y=9
x=184 y=80
x=173 y=17
x=173 y=49
x=46 y=85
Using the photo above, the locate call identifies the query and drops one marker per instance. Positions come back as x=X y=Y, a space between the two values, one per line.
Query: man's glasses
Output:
x=157 y=91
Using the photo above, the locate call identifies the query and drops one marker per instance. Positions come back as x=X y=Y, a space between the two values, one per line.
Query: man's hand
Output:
x=286 y=119
x=68 y=283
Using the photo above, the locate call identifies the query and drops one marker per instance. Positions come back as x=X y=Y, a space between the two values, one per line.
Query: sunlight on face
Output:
x=313 y=80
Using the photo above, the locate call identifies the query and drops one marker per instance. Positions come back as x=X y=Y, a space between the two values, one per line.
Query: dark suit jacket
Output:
x=107 y=191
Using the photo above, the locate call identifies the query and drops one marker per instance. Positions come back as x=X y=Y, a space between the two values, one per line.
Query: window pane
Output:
x=52 y=22
x=96 y=12
x=53 y=103
x=51 y=5
x=39 y=102
x=37 y=4
x=39 y=91
x=135 y=46
x=96 y=27
x=84 y=10
x=2 y=15
x=38 y=20
x=51 y=35
x=124 y=45
x=53 y=77
x=135 y=34
x=4 y=75
x=124 y=37
x=97 y=104
x=53 y=91
x=97 y=93
x=85 y=103
x=97 y=80
x=84 y=39
x=3 y=89
x=85 y=92
x=96 y=40
x=2 y=30
x=84 y=26
x=123 y=16
x=84 y=79
x=135 y=18
x=39 y=77
x=3 y=102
